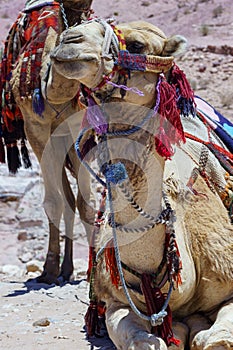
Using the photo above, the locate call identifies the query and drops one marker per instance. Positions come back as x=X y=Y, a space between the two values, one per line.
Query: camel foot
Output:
x=47 y=278
x=66 y=273
x=216 y=338
x=63 y=278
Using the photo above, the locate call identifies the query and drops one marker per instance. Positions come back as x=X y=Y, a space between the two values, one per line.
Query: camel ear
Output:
x=175 y=46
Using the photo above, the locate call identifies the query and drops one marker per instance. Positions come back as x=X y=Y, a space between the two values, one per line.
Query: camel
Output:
x=163 y=241
x=48 y=130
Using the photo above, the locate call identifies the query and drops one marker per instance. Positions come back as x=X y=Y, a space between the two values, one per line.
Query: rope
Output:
x=154 y=319
x=64 y=15
x=147 y=118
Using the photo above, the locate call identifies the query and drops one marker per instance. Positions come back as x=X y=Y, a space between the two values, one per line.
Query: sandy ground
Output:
x=23 y=225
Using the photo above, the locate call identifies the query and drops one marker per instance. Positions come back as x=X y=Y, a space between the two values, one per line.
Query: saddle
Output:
x=24 y=46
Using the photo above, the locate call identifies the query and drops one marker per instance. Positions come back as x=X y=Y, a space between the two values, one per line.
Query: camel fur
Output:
x=202 y=305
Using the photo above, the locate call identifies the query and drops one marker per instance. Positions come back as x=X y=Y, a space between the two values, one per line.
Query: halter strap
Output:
x=114 y=46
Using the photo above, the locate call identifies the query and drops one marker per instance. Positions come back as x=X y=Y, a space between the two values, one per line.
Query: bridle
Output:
x=114 y=47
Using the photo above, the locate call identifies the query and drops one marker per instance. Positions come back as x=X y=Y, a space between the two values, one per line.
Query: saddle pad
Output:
x=217 y=122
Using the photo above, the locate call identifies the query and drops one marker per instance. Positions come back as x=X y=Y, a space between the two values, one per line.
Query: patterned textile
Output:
x=217 y=122
x=143 y=63
x=25 y=40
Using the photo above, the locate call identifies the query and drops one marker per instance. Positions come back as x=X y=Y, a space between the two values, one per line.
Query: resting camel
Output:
x=48 y=130
x=163 y=242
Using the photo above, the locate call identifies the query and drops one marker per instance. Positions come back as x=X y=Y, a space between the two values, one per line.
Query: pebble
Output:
x=43 y=322
x=201 y=68
x=34 y=266
x=22 y=236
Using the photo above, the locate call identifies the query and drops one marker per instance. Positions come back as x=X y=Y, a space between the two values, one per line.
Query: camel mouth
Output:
x=60 y=56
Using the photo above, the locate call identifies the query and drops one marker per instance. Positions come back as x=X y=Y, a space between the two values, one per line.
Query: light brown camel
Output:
x=49 y=134
x=155 y=257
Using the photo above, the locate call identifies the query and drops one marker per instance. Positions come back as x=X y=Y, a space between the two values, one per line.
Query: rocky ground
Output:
x=49 y=317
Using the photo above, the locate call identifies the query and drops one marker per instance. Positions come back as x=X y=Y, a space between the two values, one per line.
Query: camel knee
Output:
x=129 y=332
x=53 y=207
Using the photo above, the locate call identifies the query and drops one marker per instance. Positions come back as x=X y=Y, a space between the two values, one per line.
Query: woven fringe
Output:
x=171 y=129
x=38 y=105
x=91 y=319
x=185 y=94
x=111 y=264
x=154 y=301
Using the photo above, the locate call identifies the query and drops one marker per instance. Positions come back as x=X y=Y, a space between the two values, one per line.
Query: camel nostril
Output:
x=73 y=39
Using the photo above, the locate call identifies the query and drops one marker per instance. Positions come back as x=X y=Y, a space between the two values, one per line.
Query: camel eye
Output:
x=135 y=47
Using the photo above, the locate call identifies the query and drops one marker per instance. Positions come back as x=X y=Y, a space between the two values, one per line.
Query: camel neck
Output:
x=144 y=169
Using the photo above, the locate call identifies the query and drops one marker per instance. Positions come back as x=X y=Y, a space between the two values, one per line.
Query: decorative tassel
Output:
x=13 y=158
x=154 y=301
x=163 y=145
x=168 y=110
x=185 y=94
x=115 y=173
x=25 y=155
x=2 y=151
x=111 y=264
x=171 y=129
x=95 y=117
x=91 y=319
x=38 y=105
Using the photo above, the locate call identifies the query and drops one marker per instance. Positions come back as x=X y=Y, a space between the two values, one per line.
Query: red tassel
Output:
x=111 y=264
x=171 y=129
x=154 y=301
x=163 y=145
x=168 y=110
x=91 y=319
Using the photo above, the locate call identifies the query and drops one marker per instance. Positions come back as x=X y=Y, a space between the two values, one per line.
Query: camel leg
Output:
x=51 y=166
x=85 y=199
x=51 y=265
x=128 y=331
x=67 y=267
x=220 y=335
x=39 y=136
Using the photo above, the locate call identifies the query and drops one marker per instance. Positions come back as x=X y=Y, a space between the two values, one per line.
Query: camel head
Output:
x=94 y=52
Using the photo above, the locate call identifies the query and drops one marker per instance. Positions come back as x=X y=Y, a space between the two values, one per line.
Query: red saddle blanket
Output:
x=25 y=41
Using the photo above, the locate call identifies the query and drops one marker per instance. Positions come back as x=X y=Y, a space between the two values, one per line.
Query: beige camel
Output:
x=51 y=140
x=201 y=289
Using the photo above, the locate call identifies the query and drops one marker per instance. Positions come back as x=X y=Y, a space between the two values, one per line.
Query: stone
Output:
x=43 y=322
x=22 y=236
x=34 y=266
x=201 y=67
